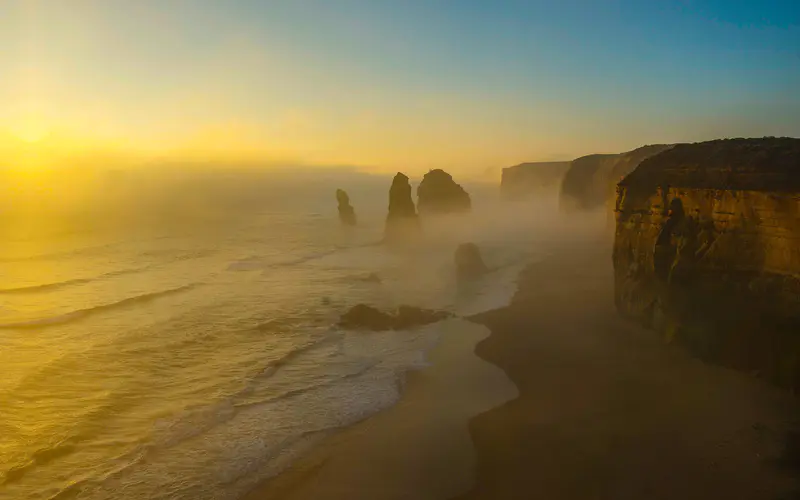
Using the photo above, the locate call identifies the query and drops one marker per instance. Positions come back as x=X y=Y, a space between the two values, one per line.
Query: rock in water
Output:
x=401 y=222
x=364 y=317
x=469 y=262
x=346 y=213
x=438 y=193
x=410 y=317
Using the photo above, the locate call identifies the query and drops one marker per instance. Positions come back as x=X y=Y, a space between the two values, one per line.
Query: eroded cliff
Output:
x=707 y=251
x=528 y=179
x=590 y=181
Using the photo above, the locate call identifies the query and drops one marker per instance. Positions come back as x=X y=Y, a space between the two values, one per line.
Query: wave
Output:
x=47 y=287
x=256 y=263
x=61 y=254
x=80 y=314
x=302 y=390
x=40 y=457
x=187 y=425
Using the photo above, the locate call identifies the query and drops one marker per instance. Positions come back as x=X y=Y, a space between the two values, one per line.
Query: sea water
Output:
x=176 y=337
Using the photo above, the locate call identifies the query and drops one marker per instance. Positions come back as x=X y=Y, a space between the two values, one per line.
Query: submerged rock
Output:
x=346 y=213
x=409 y=317
x=372 y=278
x=364 y=317
x=401 y=222
x=469 y=262
x=438 y=193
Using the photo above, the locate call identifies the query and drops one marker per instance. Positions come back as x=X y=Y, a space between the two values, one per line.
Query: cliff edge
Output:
x=590 y=181
x=707 y=251
x=527 y=179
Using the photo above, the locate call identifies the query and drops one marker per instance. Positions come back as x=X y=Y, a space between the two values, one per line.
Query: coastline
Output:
x=607 y=410
x=419 y=448
x=594 y=407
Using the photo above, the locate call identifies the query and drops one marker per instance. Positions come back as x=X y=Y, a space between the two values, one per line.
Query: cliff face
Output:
x=707 y=251
x=589 y=183
x=527 y=179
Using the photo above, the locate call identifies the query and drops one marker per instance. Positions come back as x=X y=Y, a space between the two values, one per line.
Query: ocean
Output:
x=175 y=337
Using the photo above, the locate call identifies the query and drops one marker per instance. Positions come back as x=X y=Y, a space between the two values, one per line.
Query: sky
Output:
x=391 y=84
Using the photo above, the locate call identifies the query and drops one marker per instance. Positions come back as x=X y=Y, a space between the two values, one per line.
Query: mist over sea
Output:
x=172 y=334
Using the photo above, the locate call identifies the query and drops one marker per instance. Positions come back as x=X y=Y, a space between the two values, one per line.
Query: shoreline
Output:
x=601 y=408
x=419 y=448
x=609 y=411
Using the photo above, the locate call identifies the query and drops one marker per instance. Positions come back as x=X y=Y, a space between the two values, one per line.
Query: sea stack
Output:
x=438 y=193
x=346 y=213
x=401 y=222
x=468 y=260
x=706 y=252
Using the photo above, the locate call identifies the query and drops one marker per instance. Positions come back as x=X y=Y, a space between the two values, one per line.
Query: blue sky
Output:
x=453 y=83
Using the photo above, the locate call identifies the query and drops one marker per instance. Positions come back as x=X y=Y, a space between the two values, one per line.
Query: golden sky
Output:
x=385 y=85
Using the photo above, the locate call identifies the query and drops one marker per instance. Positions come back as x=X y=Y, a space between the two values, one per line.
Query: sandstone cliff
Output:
x=438 y=193
x=590 y=180
x=526 y=179
x=707 y=251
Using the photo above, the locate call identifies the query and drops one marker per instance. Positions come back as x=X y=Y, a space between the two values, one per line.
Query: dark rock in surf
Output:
x=438 y=193
x=346 y=213
x=401 y=222
x=410 y=317
x=364 y=317
x=371 y=278
x=469 y=262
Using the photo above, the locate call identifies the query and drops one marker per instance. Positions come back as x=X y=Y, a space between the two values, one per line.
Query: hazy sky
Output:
x=462 y=84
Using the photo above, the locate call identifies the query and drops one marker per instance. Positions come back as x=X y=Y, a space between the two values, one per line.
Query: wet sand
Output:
x=420 y=448
x=608 y=411
x=605 y=410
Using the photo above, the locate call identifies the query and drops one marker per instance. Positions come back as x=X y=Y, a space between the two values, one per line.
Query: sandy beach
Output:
x=598 y=409
x=419 y=449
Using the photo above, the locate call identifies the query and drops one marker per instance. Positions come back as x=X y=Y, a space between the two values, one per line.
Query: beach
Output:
x=603 y=410
x=421 y=448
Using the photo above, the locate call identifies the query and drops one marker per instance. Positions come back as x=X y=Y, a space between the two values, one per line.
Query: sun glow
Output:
x=31 y=133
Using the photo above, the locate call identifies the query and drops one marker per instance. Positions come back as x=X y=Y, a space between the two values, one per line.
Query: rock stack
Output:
x=468 y=260
x=346 y=213
x=401 y=222
x=438 y=193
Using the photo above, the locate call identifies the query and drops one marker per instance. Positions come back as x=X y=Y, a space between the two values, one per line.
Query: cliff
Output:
x=590 y=181
x=707 y=251
x=527 y=179
x=438 y=193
